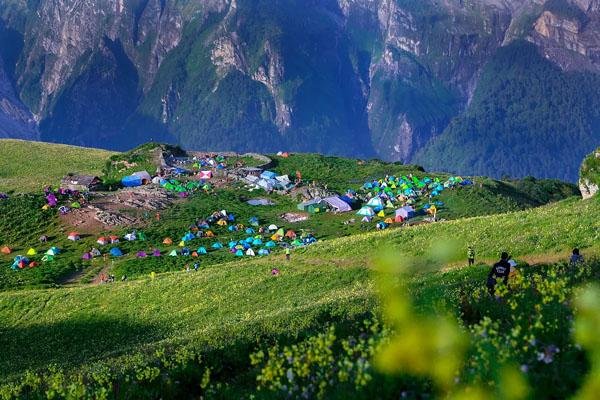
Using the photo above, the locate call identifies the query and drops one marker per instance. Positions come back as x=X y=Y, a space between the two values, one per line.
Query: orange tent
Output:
x=6 y=250
x=389 y=221
x=168 y=241
x=290 y=234
x=209 y=234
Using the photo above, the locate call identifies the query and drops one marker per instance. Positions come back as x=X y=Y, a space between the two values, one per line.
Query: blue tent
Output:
x=217 y=246
x=232 y=244
x=202 y=250
x=271 y=244
x=253 y=221
x=268 y=175
x=232 y=228
x=239 y=253
x=257 y=242
x=116 y=252
x=188 y=236
x=250 y=231
x=263 y=252
x=131 y=181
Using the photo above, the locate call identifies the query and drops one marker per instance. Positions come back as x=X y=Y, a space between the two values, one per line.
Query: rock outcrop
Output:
x=589 y=180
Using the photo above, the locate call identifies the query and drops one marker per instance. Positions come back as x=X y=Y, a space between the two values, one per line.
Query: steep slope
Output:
x=526 y=115
x=16 y=121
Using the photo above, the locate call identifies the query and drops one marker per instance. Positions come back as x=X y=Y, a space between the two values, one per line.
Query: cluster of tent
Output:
x=269 y=180
x=390 y=192
x=255 y=243
x=70 y=199
x=22 y=262
x=184 y=188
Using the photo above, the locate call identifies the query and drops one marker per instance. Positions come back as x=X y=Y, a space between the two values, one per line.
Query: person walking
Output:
x=500 y=270
x=471 y=255
x=576 y=258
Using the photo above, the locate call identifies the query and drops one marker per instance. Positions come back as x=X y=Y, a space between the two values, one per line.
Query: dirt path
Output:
x=104 y=270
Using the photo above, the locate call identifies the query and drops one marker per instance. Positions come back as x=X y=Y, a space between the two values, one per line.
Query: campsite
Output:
x=160 y=318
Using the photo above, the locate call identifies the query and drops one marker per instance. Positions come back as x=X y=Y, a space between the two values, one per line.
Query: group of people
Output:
x=506 y=267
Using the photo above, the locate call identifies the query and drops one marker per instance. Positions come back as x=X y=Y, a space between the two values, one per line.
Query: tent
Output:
x=250 y=231
x=74 y=236
x=141 y=254
x=389 y=221
x=156 y=253
x=130 y=237
x=366 y=212
x=268 y=175
x=217 y=246
x=405 y=212
x=31 y=252
x=290 y=234
x=181 y=244
x=337 y=204
x=96 y=253
x=270 y=244
x=205 y=174
x=113 y=239
x=366 y=219
x=257 y=242
x=43 y=238
x=250 y=253
x=381 y=214
x=47 y=258
x=144 y=176
x=102 y=241
x=53 y=251
x=375 y=203
x=86 y=256
x=222 y=222
x=168 y=241
x=263 y=252
x=280 y=232
x=131 y=181
x=116 y=252
x=188 y=237
x=253 y=221
x=381 y=225
x=173 y=253
x=6 y=250
x=239 y=253
x=272 y=227
x=276 y=237
x=202 y=250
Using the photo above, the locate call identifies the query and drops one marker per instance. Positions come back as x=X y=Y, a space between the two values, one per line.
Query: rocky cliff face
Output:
x=355 y=77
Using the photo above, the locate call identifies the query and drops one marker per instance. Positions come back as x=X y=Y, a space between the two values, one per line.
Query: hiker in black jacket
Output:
x=500 y=270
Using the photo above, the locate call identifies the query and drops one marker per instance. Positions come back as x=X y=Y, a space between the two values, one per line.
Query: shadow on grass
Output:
x=70 y=343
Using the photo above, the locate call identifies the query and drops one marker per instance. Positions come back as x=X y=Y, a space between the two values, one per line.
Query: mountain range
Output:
x=491 y=87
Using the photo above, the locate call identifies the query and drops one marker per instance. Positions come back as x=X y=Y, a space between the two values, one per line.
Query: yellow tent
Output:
x=381 y=214
x=46 y=207
x=31 y=252
x=222 y=222
x=182 y=244
x=389 y=221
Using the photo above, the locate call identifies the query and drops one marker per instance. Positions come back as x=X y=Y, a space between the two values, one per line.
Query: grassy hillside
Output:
x=29 y=166
x=234 y=305
x=24 y=221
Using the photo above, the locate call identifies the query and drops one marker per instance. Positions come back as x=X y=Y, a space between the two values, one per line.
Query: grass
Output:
x=235 y=304
x=29 y=166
